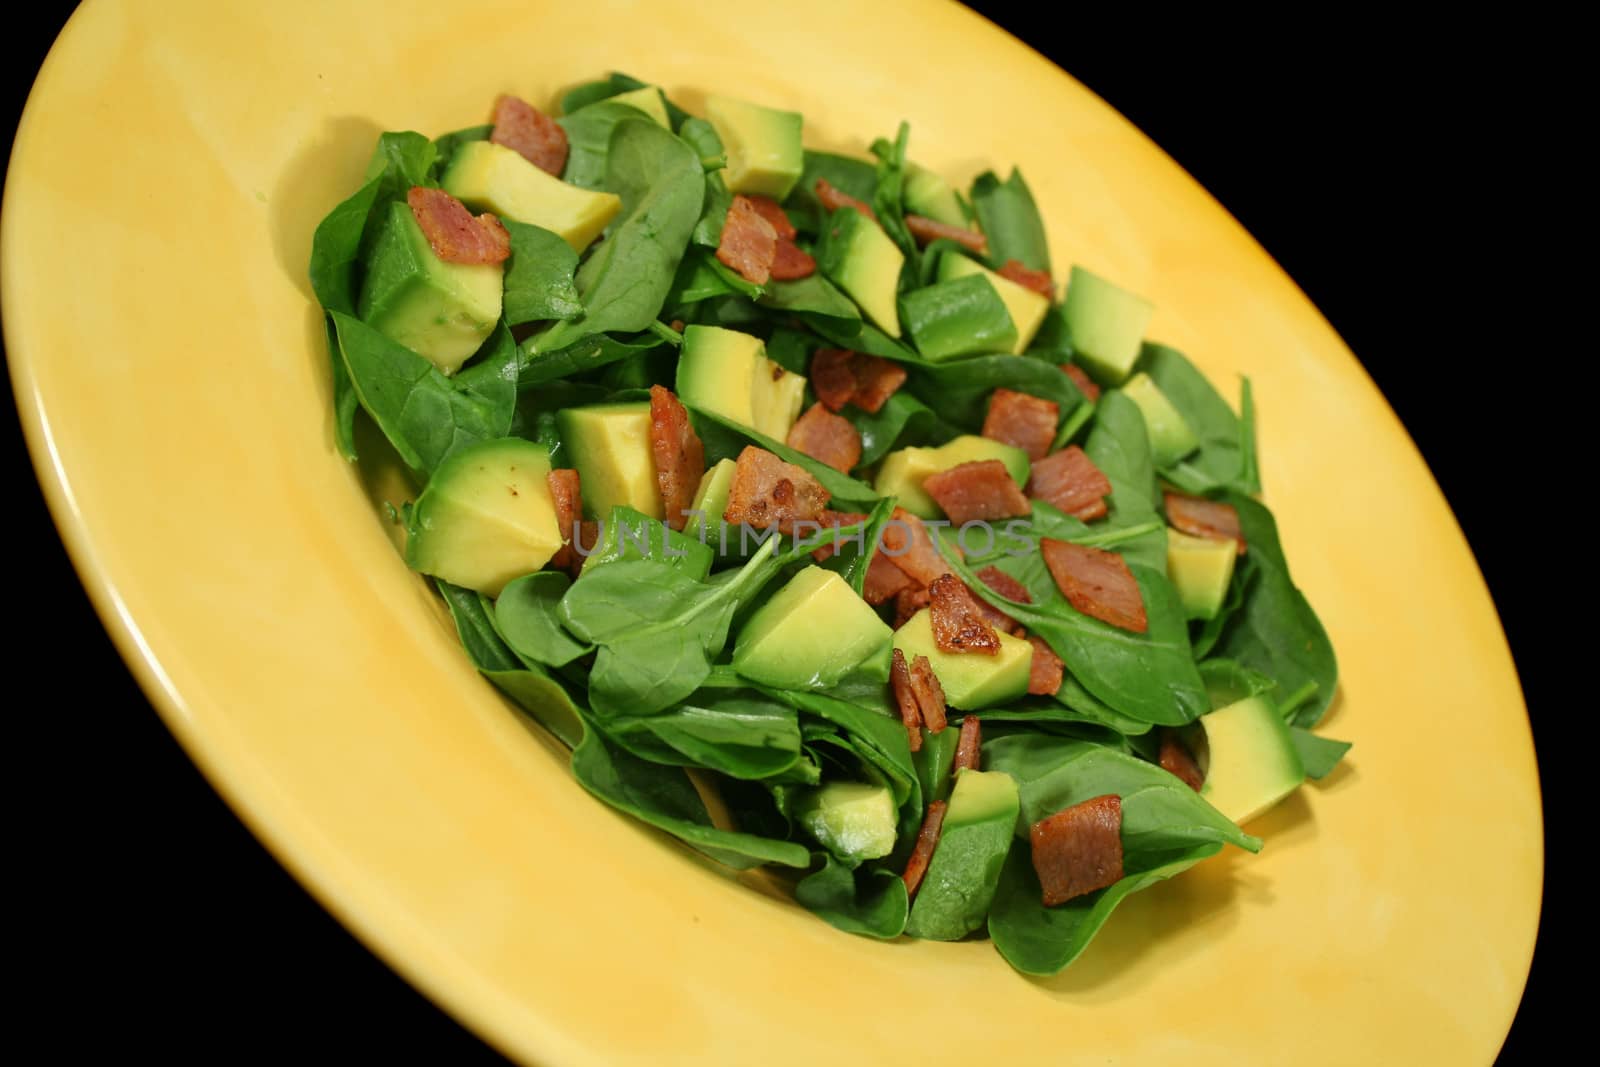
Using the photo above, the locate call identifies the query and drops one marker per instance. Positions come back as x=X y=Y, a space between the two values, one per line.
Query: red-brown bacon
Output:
x=1079 y=849
x=1069 y=480
x=453 y=234
x=1097 y=583
x=1027 y=422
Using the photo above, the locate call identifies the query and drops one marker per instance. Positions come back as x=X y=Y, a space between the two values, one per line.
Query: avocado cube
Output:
x=855 y=254
x=979 y=828
x=441 y=311
x=1106 y=324
x=961 y=317
x=1252 y=763
x=490 y=177
x=971 y=680
x=929 y=195
x=711 y=499
x=727 y=373
x=649 y=100
x=1170 y=436
x=765 y=156
x=1201 y=569
x=811 y=634
x=1027 y=307
x=903 y=471
x=853 y=820
x=610 y=446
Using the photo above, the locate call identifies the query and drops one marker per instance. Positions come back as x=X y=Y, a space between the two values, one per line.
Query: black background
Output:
x=1360 y=160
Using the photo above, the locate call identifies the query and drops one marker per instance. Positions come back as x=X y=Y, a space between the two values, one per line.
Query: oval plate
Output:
x=170 y=368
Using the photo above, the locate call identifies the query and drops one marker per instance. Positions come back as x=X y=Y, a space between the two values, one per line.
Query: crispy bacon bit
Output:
x=976 y=492
x=834 y=199
x=1037 y=280
x=927 y=841
x=1204 y=518
x=677 y=325
x=1005 y=585
x=680 y=458
x=958 y=624
x=834 y=520
x=768 y=492
x=531 y=133
x=826 y=437
x=770 y=210
x=929 y=694
x=1175 y=759
x=1046 y=670
x=1079 y=849
x=792 y=262
x=905 y=698
x=568 y=499
x=1097 y=583
x=969 y=746
x=877 y=379
x=927 y=230
x=908 y=546
x=908 y=602
x=884 y=580
x=832 y=378
x=453 y=234
x=1070 y=481
x=1085 y=384
x=1025 y=421
x=749 y=243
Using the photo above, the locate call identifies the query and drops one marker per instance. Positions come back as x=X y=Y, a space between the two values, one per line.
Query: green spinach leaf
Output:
x=1318 y=755
x=538 y=283
x=527 y=616
x=1010 y=220
x=725 y=439
x=1219 y=463
x=869 y=901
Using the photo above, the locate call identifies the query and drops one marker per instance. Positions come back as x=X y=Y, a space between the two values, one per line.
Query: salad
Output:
x=798 y=488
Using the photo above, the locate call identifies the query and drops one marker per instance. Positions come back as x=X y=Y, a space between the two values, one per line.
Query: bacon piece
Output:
x=1078 y=849
x=958 y=625
x=834 y=520
x=1005 y=585
x=1198 y=517
x=588 y=539
x=749 y=243
x=568 y=499
x=927 y=841
x=826 y=437
x=908 y=546
x=884 y=580
x=905 y=698
x=770 y=210
x=791 y=262
x=1176 y=759
x=833 y=199
x=1085 y=384
x=768 y=492
x=908 y=602
x=976 y=492
x=1097 y=583
x=877 y=379
x=453 y=234
x=1037 y=280
x=531 y=133
x=926 y=230
x=1024 y=421
x=969 y=746
x=1046 y=671
x=929 y=693
x=1070 y=481
x=832 y=377
x=680 y=458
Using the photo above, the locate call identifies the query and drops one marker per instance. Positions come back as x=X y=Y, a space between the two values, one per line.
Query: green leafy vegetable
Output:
x=527 y=617
x=1319 y=755
x=1011 y=221
x=538 y=282
x=868 y=901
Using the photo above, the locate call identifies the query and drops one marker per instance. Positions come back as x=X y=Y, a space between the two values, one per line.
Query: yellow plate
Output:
x=169 y=365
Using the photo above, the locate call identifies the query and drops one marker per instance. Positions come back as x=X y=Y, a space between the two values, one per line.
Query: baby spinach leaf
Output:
x=1318 y=755
x=1219 y=462
x=1010 y=220
x=628 y=533
x=594 y=351
x=868 y=901
x=734 y=732
x=538 y=283
x=613 y=84
x=589 y=133
x=959 y=390
x=702 y=137
x=849 y=561
x=1120 y=447
x=851 y=176
x=814 y=298
x=725 y=439
x=696 y=280
x=527 y=616
x=878 y=736
x=888 y=200
x=902 y=421
x=1228 y=682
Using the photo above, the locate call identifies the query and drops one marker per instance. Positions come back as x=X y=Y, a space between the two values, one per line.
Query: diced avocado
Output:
x=1201 y=569
x=490 y=177
x=727 y=373
x=926 y=193
x=486 y=516
x=648 y=100
x=441 y=311
x=902 y=472
x=763 y=145
x=971 y=680
x=711 y=499
x=962 y=877
x=628 y=534
x=857 y=256
x=1106 y=324
x=1170 y=436
x=934 y=761
x=853 y=820
x=812 y=633
x=960 y=317
x=610 y=446
x=1253 y=763
x=1027 y=307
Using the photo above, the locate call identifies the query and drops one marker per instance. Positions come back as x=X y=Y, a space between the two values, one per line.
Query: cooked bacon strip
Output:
x=976 y=492
x=679 y=457
x=768 y=492
x=1070 y=481
x=927 y=230
x=832 y=377
x=906 y=698
x=587 y=541
x=1046 y=671
x=907 y=544
x=877 y=379
x=1078 y=849
x=927 y=841
x=1177 y=760
x=909 y=601
x=1037 y=280
x=1097 y=583
x=531 y=133
x=969 y=746
x=791 y=262
x=1005 y=585
x=834 y=199
x=749 y=243
x=1025 y=421
x=1204 y=518
x=773 y=212
x=568 y=499
x=884 y=580
x=1085 y=384
x=834 y=520
x=826 y=437
x=453 y=234
x=929 y=694
x=958 y=624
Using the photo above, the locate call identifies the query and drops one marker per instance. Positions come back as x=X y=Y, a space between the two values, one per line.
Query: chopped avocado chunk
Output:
x=490 y=177
x=960 y=317
x=648 y=100
x=711 y=499
x=628 y=534
x=962 y=877
x=1027 y=307
x=441 y=311
x=763 y=145
x=1106 y=324
x=1170 y=436
x=971 y=680
x=1201 y=569
x=610 y=446
x=852 y=820
x=486 y=516
x=727 y=373
x=1253 y=762
x=812 y=633
x=857 y=256
x=929 y=195
x=902 y=472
